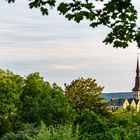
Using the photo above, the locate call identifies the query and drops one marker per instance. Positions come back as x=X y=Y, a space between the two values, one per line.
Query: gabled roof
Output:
x=136 y=100
x=117 y=101
x=130 y=100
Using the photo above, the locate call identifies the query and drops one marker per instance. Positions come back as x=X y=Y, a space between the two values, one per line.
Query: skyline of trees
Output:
x=32 y=100
x=33 y=109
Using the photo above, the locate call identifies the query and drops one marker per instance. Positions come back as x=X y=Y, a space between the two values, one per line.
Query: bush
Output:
x=56 y=133
x=12 y=136
x=44 y=133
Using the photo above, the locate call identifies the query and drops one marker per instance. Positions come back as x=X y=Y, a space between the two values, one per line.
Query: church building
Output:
x=134 y=101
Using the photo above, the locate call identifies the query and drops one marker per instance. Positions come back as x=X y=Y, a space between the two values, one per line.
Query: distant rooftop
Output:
x=121 y=95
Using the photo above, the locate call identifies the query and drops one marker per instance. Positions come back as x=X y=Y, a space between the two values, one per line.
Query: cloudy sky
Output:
x=62 y=50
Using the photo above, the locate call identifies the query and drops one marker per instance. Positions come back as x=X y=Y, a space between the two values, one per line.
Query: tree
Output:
x=86 y=94
x=10 y=89
x=118 y=15
x=96 y=127
x=34 y=92
x=57 y=110
x=124 y=119
x=90 y=124
x=41 y=101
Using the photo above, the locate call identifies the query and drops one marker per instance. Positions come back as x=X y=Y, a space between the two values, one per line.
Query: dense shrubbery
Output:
x=90 y=127
x=44 y=133
x=33 y=109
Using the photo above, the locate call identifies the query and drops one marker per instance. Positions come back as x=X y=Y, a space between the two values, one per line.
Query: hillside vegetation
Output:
x=33 y=109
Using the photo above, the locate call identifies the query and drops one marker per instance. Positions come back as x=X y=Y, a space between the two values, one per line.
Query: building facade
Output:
x=117 y=103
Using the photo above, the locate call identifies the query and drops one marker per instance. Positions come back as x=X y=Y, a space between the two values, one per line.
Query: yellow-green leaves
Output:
x=85 y=94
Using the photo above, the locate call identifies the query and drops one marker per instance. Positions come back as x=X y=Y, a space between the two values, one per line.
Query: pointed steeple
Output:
x=137 y=79
x=137 y=69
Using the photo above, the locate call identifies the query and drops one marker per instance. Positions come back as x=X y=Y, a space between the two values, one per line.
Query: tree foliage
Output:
x=31 y=100
x=33 y=109
x=43 y=111
x=10 y=90
x=34 y=92
x=86 y=94
x=90 y=124
x=41 y=101
x=118 y=15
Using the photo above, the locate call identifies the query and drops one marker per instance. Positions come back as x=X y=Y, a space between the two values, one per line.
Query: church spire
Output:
x=137 y=69
x=136 y=89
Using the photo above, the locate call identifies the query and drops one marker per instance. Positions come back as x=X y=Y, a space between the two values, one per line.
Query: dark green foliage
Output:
x=95 y=127
x=13 y=136
x=58 y=110
x=31 y=100
x=44 y=133
x=90 y=127
x=34 y=92
x=91 y=124
x=27 y=132
x=10 y=1
x=135 y=134
x=41 y=101
x=120 y=16
x=43 y=5
x=113 y=134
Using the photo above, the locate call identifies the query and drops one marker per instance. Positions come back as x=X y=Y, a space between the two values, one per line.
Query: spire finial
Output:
x=137 y=69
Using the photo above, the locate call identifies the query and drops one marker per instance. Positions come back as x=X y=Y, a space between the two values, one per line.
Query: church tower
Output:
x=136 y=89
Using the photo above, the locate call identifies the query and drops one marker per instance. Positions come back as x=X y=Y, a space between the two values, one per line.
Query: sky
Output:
x=62 y=50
